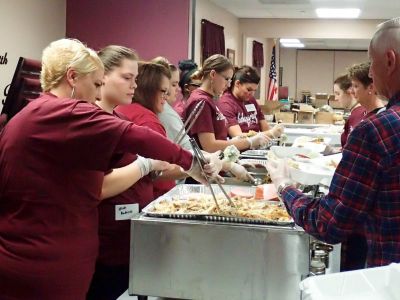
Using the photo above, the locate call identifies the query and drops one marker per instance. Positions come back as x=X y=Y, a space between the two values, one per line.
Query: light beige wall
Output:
x=27 y=26
x=288 y=61
x=213 y=13
x=315 y=70
x=304 y=28
x=308 y=28
x=344 y=59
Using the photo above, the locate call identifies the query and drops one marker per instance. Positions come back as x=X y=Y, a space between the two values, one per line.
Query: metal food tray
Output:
x=185 y=189
x=257 y=154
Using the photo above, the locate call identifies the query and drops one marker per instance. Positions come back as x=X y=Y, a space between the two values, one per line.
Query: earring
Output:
x=369 y=93
x=73 y=92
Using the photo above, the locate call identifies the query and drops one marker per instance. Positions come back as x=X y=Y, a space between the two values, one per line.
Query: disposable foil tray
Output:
x=183 y=190
x=257 y=154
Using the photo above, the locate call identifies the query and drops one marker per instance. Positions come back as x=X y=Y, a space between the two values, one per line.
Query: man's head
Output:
x=384 y=53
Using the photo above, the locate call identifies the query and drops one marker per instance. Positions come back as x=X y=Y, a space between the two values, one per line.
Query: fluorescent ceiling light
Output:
x=338 y=13
x=289 y=41
x=293 y=45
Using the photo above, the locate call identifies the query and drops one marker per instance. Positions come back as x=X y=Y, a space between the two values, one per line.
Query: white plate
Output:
x=309 y=142
x=290 y=152
x=309 y=174
x=328 y=162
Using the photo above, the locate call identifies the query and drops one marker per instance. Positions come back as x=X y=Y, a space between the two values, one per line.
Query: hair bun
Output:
x=187 y=64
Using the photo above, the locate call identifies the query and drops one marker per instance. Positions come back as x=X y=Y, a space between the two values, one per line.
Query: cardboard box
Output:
x=270 y=107
x=306 y=108
x=323 y=117
x=305 y=117
x=285 y=117
x=335 y=104
x=320 y=102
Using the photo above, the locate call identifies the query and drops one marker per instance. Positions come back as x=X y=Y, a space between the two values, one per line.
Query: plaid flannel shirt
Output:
x=364 y=193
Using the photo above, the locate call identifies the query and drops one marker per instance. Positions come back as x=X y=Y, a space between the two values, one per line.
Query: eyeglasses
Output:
x=227 y=79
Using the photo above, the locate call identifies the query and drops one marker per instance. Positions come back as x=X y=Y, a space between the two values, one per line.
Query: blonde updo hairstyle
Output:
x=62 y=55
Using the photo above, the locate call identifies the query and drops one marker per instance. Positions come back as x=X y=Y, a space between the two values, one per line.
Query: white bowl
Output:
x=289 y=152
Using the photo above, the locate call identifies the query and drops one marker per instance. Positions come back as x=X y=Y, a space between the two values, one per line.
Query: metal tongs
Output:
x=192 y=118
x=194 y=115
x=202 y=161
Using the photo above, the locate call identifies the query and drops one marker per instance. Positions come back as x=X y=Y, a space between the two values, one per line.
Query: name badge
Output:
x=250 y=107
x=126 y=211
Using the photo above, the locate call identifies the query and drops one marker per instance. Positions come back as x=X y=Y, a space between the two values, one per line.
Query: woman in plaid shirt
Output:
x=365 y=190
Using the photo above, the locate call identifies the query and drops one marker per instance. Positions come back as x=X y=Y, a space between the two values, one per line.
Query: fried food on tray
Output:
x=251 y=133
x=204 y=204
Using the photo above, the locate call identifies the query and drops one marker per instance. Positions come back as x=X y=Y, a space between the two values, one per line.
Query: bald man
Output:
x=365 y=190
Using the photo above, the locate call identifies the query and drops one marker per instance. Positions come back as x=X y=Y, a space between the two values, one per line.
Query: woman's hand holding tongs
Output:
x=212 y=167
x=238 y=171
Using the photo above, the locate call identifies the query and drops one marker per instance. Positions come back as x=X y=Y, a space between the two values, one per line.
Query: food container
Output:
x=316 y=144
x=191 y=259
x=289 y=152
x=186 y=191
x=255 y=154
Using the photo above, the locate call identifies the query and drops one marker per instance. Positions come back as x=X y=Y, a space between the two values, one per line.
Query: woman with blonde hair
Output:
x=53 y=155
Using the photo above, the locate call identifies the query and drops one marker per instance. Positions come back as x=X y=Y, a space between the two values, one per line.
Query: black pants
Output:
x=108 y=283
x=354 y=252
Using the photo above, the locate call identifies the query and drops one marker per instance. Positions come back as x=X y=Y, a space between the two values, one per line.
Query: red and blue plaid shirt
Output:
x=364 y=193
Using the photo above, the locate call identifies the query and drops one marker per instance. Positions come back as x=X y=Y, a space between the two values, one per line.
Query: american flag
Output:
x=273 y=85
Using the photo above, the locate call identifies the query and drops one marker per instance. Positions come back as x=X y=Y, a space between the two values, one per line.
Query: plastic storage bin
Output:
x=381 y=283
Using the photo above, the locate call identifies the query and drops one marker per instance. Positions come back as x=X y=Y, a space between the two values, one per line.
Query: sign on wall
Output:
x=4 y=89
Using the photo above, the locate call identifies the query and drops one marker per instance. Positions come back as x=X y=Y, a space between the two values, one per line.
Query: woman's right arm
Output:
x=210 y=144
x=235 y=130
x=121 y=179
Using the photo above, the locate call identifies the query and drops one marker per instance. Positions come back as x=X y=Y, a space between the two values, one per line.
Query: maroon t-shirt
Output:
x=356 y=116
x=246 y=114
x=142 y=116
x=211 y=119
x=114 y=235
x=53 y=155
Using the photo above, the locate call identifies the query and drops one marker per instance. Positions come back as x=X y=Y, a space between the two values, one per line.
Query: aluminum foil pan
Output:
x=256 y=154
x=185 y=190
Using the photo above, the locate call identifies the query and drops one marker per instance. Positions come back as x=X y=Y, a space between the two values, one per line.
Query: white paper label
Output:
x=126 y=211
x=250 y=107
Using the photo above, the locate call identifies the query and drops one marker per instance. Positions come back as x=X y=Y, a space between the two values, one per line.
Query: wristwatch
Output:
x=283 y=186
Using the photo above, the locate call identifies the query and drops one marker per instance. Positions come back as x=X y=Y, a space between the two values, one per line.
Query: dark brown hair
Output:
x=360 y=72
x=343 y=82
x=112 y=56
x=216 y=62
x=245 y=74
x=149 y=83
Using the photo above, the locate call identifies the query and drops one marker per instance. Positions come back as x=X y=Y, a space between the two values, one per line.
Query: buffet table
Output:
x=326 y=132
x=192 y=259
x=333 y=132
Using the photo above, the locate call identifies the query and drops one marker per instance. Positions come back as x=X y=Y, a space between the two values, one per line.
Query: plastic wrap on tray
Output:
x=185 y=191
